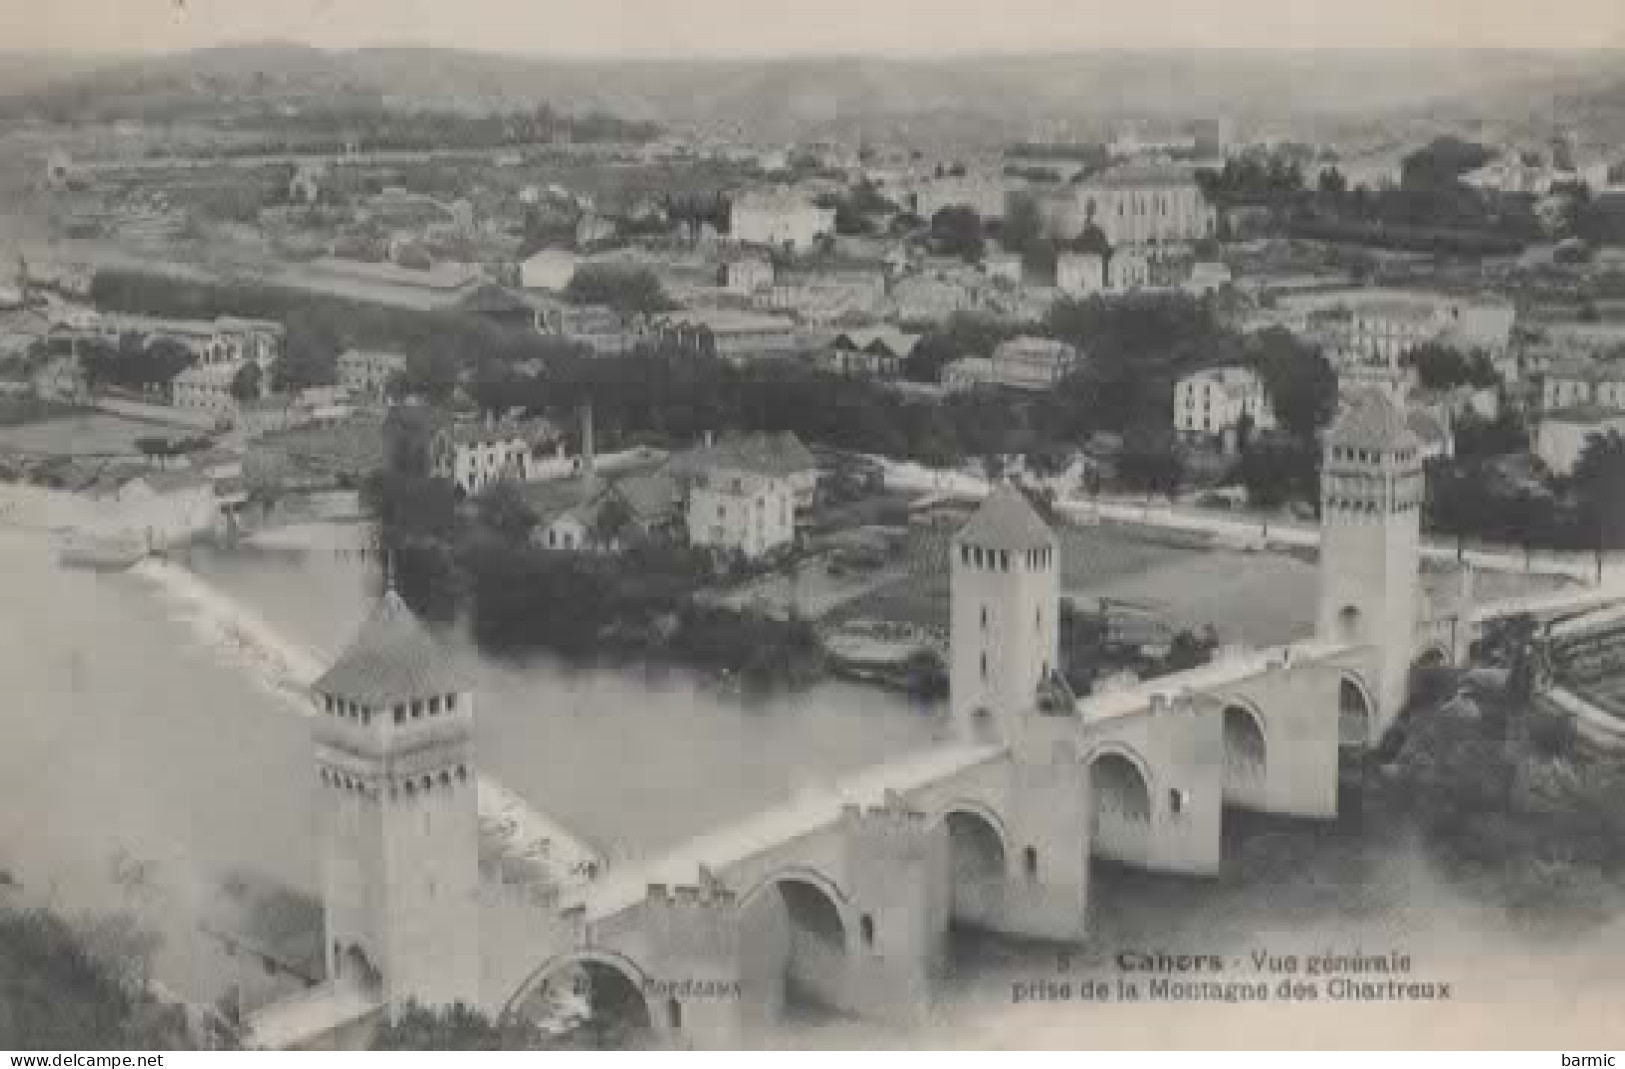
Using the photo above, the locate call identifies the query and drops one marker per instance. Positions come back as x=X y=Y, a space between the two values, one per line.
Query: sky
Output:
x=765 y=27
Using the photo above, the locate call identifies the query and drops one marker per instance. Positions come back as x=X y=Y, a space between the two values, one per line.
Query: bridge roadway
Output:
x=844 y=896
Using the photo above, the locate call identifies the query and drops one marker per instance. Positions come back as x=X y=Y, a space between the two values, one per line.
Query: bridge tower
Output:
x=1372 y=491
x=397 y=817
x=1004 y=637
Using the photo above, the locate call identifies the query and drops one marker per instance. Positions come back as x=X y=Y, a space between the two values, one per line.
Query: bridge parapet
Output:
x=692 y=922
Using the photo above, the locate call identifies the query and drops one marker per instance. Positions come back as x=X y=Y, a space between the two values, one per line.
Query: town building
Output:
x=206 y=388
x=732 y=335
x=1128 y=270
x=1215 y=404
x=778 y=220
x=1080 y=274
x=825 y=297
x=986 y=195
x=747 y=275
x=368 y=371
x=931 y=297
x=1132 y=204
x=1024 y=363
x=223 y=340
x=1562 y=434
x=875 y=353
x=743 y=510
x=1583 y=383
x=548 y=269
x=781 y=456
x=1207 y=277
x=474 y=455
x=1381 y=326
x=1033 y=363
x=1003 y=267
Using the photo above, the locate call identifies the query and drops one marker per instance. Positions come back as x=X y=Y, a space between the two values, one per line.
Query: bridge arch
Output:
x=799 y=938
x=1430 y=674
x=798 y=874
x=1435 y=653
x=1121 y=791
x=1246 y=753
x=979 y=851
x=629 y=984
x=1356 y=710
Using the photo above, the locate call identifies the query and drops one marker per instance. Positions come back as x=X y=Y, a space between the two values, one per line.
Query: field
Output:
x=96 y=434
x=1253 y=598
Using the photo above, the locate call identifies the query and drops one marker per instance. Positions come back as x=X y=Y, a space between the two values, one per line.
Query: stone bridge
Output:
x=844 y=898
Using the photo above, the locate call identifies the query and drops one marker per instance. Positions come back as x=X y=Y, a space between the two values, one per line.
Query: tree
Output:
x=1151 y=464
x=1459 y=502
x=614 y=517
x=502 y=509
x=1301 y=384
x=635 y=290
x=1598 y=486
x=456 y=1027
x=1440 y=367
x=1275 y=471
x=245 y=385
x=431 y=375
x=1023 y=224
x=155 y=447
x=1441 y=163
x=957 y=231
x=75 y=987
x=309 y=354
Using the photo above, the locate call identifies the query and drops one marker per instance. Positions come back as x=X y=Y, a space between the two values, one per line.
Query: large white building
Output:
x=778 y=221
x=1212 y=404
x=1133 y=204
x=738 y=509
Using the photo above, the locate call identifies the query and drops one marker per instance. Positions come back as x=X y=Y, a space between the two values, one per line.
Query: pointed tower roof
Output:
x=392 y=657
x=1371 y=420
x=1007 y=520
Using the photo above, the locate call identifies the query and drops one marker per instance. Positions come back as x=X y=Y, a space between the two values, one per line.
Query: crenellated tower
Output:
x=1004 y=637
x=397 y=815
x=1372 y=490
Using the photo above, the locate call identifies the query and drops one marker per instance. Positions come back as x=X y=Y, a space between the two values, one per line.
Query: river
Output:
x=131 y=728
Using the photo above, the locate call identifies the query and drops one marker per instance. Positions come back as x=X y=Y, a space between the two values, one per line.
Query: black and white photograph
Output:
x=837 y=525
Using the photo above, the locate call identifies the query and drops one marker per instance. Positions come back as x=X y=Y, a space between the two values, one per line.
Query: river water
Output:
x=132 y=731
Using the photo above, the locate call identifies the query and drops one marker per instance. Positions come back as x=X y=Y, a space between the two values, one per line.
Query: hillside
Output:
x=966 y=98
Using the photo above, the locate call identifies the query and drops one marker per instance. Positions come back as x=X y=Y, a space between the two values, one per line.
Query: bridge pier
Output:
x=895 y=860
x=1034 y=881
x=1156 y=786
